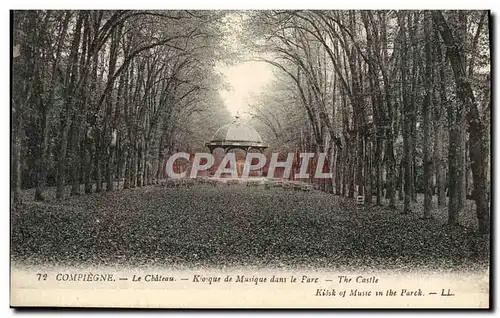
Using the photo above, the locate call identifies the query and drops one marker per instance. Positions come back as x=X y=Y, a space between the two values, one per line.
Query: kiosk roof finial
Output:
x=237 y=117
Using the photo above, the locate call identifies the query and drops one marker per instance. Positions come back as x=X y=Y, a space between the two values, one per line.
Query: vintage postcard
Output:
x=250 y=159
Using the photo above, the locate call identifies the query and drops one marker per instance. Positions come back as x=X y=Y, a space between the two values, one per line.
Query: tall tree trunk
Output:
x=360 y=158
x=133 y=165
x=401 y=179
x=16 y=150
x=44 y=129
x=426 y=114
x=415 y=92
x=67 y=112
x=351 y=170
x=43 y=161
x=61 y=161
x=128 y=171
x=439 y=123
x=338 y=170
x=160 y=160
x=368 y=171
x=110 y=171
x=140 y=161
x=110 y=131
x=440 y=162
x=477 y=127
x=461 y=122
x=98 y=160
x=75 y=156
x=407 y=117
x=88 y=154
x=378 y=169
x=453 y=175
x=389 y=129
x=391 y=168
x=145 y=163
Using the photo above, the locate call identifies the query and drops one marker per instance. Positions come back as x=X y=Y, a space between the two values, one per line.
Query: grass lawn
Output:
x=236 y=226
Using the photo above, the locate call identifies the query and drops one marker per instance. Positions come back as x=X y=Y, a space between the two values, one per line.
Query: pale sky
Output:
x=247 y=81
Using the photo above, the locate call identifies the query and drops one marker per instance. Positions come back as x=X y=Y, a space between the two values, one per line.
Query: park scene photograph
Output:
x=349 y=140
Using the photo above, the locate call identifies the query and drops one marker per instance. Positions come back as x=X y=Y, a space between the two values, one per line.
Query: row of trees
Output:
x=100 y=96
x=399 y=99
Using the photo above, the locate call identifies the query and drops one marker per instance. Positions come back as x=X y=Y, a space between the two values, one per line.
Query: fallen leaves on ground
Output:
x=236 y=226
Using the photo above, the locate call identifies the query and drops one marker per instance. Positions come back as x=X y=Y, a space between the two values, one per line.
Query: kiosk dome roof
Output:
x=236 y=135
x=237 y=132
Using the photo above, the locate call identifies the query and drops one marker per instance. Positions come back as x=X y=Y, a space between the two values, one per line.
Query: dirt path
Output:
x=234 y=226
